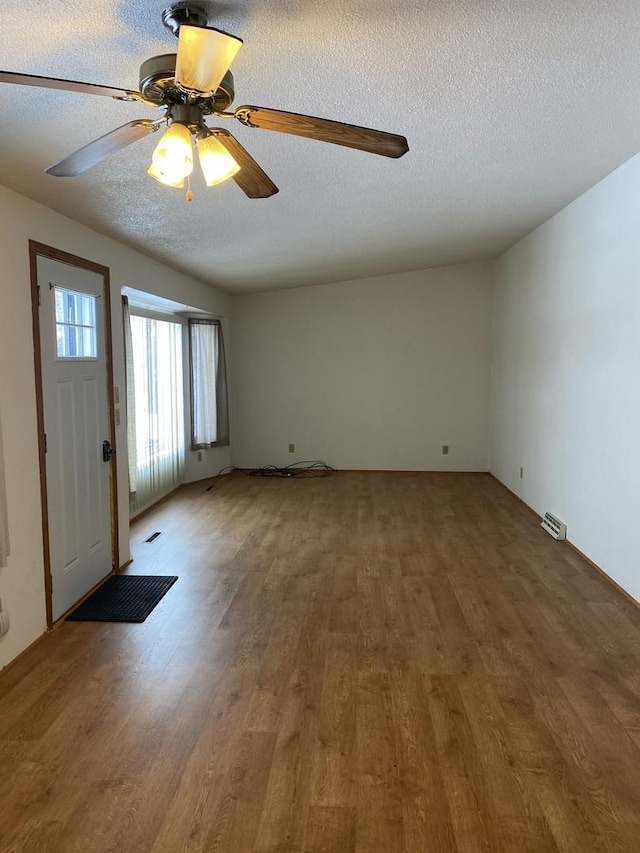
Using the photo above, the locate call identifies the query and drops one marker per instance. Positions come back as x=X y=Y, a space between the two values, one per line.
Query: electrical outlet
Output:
x=292 y=448
x=522 y=473
x=199 y=456
x=445 y=449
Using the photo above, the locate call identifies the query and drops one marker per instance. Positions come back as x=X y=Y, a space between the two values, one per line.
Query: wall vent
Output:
x=554 y=526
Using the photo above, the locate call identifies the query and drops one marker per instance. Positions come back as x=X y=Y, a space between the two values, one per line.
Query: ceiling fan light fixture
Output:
x=204 y=57
x=172 y=160
x=215 y=161
x=191 y=85
x=165 y=179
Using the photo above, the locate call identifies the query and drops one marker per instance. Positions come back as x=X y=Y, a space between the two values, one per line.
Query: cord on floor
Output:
x=301 y=470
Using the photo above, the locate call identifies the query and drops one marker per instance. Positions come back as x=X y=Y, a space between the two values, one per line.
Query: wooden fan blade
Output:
x=96 y=151
x=324 y=130
x=251 y=179
x=69 y=86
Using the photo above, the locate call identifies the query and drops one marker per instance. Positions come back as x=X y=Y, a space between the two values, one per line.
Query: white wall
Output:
x=566 y=376
x=372 y=374
x=22 y=580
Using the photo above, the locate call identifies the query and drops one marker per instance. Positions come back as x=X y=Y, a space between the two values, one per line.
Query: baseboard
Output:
x=514 y=495
x=210 y=478
x=61 y=619
x=602 y=572
x=25 y=652
x=166 y=497
x=576 y=550
x=157 y=503
x=411 y=471
x=370 y=471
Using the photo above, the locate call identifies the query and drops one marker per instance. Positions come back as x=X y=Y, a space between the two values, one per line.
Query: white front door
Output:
x=76 y=423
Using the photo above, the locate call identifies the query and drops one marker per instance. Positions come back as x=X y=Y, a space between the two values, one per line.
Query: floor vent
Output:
x=154 y=536
x=554 y=526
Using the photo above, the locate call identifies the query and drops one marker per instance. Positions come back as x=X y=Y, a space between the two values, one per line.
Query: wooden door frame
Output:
x=41 y=250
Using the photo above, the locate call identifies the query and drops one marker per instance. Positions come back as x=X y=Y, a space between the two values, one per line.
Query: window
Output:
x=159 y=409
x=75 y=324
x=209 y=408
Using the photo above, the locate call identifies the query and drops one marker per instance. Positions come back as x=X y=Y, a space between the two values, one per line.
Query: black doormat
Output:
x=123 y=598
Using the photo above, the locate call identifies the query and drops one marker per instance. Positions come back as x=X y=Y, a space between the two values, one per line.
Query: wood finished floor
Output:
x=369 y=662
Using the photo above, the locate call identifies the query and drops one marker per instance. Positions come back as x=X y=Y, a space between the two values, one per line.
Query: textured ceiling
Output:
x=512 y=108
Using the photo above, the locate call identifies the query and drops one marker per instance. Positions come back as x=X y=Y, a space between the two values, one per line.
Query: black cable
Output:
x=227 y=468
x=300 y=470
x=303 y=470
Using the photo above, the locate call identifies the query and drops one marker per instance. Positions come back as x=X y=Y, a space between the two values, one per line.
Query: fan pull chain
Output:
x=189 y=194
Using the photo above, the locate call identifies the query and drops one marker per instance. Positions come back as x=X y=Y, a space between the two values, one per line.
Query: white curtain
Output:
x=209 y=405
x=159 y=409
x=4 y=519
x=130 y=396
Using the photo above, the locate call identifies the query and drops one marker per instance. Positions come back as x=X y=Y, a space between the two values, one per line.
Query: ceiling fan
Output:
x=189 y=86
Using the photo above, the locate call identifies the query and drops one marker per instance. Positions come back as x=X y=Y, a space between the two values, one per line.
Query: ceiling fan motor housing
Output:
x=189 y=115
x=157 y=84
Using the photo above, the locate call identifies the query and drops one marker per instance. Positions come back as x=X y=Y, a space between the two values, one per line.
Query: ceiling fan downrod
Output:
x=183 y=13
